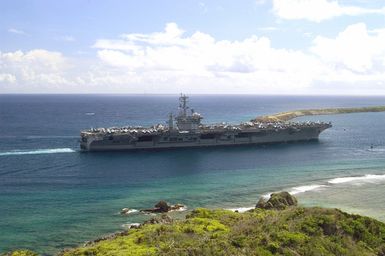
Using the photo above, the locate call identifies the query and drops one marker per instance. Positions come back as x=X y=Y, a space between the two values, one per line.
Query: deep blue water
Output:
x=52 y=196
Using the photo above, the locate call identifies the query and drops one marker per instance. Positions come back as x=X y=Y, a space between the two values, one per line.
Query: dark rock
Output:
x=162 y=206
x=261 y=203
x=329 y=228
x=277 y=201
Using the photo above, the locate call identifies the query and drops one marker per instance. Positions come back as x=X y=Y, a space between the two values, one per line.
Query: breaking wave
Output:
x=302 y=189
x=37 y=151
x=368 y=178
x=353 y=179
x=298 y=190
x=128 y=212
x=131 y=225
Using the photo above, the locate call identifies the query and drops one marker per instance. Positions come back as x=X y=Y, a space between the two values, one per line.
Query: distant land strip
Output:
x=286 y=116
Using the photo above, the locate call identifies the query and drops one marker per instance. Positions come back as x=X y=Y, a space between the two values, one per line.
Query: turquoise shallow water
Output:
x=53 y=196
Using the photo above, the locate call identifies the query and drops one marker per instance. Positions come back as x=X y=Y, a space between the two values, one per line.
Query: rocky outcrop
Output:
x=163 y=207
x=278 y=201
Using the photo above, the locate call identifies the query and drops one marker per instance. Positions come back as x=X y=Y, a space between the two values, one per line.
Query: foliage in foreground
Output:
x=292 y=231
x=21 y=253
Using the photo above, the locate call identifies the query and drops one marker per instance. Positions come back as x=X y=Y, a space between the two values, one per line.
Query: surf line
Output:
x=350 y=180
x=38 y=151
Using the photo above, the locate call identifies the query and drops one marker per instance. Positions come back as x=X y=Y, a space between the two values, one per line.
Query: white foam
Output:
x=267 y=195
x=353 y=179
x=182 y=209
x=131 y=225
x=37 y=151
x=297 y=190
x=132 y=211
x=368 y=178
x=302 y=189
x=241 y=209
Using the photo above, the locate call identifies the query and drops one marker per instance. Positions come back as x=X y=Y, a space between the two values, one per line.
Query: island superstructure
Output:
x=186 y=130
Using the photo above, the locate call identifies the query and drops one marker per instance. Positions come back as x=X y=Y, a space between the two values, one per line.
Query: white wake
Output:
x=37 y=151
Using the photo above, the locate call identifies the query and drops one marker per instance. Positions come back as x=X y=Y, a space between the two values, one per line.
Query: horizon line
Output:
x=198 y=94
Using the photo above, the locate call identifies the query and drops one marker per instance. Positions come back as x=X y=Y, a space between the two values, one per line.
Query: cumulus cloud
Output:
x=251 y=61
x=354 y=49
x=32 y=67
x=317 y=10
x=9 y=78
x=172 y=61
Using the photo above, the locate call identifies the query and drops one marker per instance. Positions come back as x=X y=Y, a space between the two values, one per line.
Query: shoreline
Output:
x=219 y=223
x=298 y=191
x=166 y=219
x=289 y=115
x=329 y=185
x=240 y=210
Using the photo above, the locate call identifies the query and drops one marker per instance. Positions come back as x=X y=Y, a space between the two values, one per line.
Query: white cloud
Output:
x=173 y=61
x=16 y=31
x=317 y=10
x=251 y=62
x=353 y=49
x=33 y=67
x=9 y=78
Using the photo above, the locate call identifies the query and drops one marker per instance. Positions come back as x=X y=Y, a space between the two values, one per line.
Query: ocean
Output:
x=52 y=196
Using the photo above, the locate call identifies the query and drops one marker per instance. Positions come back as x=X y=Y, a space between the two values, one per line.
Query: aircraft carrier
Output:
x=186 y=130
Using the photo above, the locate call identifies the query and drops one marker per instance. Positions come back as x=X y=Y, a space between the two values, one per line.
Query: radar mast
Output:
x=184 y=120
x=183 y=99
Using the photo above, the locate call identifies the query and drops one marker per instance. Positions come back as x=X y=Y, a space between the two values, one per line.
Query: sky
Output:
x=309 y=47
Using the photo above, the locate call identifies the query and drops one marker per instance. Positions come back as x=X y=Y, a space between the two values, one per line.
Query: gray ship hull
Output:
x=190 y=132
x=169 y=140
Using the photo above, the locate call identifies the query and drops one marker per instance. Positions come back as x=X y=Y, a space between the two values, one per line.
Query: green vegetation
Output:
x=292 y=231
x=21 y=253
x=275 y=227
x=286 y=116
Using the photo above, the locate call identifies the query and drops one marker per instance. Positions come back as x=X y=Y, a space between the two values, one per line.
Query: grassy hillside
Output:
x=292 y=231
x=278 y=227
x=286 y=116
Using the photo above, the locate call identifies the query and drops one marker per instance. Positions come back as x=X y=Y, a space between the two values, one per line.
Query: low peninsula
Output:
x=287 y=116
x=275 y=227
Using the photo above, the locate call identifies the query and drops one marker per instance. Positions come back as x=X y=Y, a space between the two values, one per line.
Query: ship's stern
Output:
x=85 y=141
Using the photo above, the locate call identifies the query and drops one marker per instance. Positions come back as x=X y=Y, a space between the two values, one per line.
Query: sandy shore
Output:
x=286 y=116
